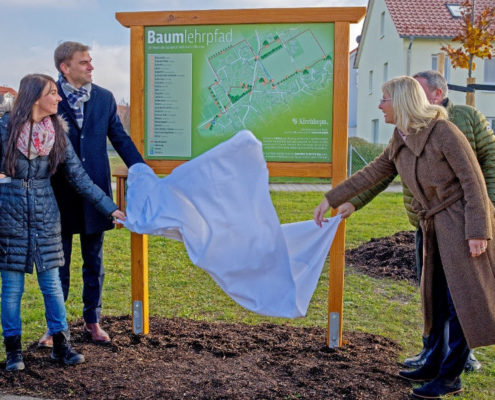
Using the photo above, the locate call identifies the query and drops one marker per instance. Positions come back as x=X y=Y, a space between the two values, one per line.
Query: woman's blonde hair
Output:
x=412 y=110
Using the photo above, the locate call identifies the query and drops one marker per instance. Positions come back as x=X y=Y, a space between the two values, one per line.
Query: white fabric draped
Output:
x=219 y=205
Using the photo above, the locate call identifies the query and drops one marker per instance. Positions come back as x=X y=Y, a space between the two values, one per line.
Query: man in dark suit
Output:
x=91 y=113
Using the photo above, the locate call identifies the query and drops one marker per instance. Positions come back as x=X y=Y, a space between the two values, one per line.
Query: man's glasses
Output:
x=383 y=100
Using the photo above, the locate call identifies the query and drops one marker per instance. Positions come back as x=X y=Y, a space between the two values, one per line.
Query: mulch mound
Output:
x=185 y=359
x=387 y=257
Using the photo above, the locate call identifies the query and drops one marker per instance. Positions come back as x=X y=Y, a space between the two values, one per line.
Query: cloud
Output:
x=112 y=69
x=25 y=61
x=38 y=3
x=222 y=4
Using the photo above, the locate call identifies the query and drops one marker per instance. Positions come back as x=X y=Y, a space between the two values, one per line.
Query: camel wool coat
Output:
x=441 y=170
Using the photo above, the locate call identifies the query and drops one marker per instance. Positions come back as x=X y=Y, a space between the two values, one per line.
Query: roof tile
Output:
x=5 y=89
x=428 y=18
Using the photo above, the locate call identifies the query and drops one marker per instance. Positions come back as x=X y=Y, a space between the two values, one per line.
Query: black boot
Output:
x=62 y=351
x=437 y=388
x=419 y=359
x=422 y=374
x=13 y=349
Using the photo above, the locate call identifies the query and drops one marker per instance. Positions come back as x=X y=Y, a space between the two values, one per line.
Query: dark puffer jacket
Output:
x=30 y=230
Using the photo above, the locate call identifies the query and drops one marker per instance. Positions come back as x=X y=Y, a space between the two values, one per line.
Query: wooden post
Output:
x=339 y=162
x=139 y=276
x=441 y=63
x=470 y=96
x=139 y=243
x=120 y=174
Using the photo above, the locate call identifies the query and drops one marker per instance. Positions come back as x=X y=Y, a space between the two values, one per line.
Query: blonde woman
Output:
x=435 y=161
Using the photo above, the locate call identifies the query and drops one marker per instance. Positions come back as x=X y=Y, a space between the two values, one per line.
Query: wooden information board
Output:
x=197 y=77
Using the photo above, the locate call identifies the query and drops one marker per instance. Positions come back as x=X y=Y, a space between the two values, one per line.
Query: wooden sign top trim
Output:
x=242 y=16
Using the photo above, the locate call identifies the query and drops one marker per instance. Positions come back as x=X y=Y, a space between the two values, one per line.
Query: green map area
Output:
x=275 y=80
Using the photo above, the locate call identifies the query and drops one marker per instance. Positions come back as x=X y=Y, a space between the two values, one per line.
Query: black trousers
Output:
x=93 y=273
x=449 y=349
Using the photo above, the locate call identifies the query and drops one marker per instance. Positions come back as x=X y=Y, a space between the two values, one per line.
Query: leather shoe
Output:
x=419 y=375
x=437 y=388
x=46 y=341
x=472 y=364
x=98 y=335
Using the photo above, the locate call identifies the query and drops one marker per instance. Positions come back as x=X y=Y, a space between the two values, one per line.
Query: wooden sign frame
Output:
x=342 y=17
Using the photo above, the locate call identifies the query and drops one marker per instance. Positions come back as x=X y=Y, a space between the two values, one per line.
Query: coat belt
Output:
x=425 y=216
x=30 y=183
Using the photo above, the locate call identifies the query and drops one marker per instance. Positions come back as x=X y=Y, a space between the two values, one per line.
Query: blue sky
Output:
x=33 y=28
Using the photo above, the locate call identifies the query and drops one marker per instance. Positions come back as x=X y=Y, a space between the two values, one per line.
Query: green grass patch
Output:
x=179 y=289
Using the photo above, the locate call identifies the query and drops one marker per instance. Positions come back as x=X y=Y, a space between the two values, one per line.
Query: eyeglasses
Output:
x=382 y=100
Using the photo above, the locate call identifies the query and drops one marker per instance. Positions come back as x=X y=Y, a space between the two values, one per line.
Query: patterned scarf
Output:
x=42 y=136
x=76 y=97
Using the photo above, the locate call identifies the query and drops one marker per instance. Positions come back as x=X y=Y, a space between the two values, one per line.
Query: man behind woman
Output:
x=33 y=146
x=437 y=164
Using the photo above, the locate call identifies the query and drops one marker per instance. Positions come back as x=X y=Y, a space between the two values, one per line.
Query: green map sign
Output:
x=204 y=83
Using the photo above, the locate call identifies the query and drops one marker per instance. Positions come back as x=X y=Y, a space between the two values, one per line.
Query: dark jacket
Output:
x=90 y=144
x=29 y=218
x=438 y=164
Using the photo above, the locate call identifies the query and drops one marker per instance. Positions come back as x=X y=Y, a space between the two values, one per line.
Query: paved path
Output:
x=318 y=187
x=314 y=187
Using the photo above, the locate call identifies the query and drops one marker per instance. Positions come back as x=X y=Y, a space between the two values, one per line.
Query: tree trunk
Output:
x=470 y=96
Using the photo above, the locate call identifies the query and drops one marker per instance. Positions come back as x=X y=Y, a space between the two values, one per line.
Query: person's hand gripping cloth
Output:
x=219 y=205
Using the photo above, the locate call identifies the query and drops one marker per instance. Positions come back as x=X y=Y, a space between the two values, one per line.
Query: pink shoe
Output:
x=98 y=335
x=46 y=341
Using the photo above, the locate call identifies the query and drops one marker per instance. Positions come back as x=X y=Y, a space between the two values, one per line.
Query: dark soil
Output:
x=186 y=359
x=388 y=257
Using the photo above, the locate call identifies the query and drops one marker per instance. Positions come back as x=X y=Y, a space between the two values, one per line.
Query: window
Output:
x=385 y=72
x=455 y=10
x=446 y=68
x=374 y=130
x=489 y=71
x=491 y=120
x=382 y=24
x=434 y=62
x=370 y=82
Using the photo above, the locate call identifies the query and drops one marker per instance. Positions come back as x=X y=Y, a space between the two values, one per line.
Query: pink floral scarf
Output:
x=43 y=138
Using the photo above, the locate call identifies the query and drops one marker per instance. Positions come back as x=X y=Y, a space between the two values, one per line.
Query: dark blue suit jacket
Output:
x=90 y=144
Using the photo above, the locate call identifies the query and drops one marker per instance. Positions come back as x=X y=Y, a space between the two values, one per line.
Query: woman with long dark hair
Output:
x=33 y=145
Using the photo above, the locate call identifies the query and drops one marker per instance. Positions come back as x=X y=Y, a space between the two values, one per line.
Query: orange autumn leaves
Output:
x=476 y=36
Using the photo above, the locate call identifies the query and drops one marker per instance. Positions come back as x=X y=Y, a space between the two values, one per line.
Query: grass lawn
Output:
x=179 y=289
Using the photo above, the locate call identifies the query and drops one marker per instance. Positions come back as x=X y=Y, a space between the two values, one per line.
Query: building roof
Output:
x=428 y=18
x=5 y=89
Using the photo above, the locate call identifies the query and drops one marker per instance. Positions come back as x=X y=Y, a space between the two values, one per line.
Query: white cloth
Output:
x=219 y=205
